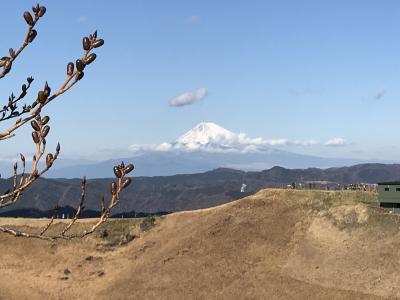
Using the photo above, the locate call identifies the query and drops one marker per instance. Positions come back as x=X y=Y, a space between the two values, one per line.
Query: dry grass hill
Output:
x=277 y=244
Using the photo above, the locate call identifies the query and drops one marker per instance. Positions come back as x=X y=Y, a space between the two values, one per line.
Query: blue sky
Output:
x=295 y=70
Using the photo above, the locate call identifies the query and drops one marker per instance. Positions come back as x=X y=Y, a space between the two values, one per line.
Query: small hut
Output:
x=389 y=195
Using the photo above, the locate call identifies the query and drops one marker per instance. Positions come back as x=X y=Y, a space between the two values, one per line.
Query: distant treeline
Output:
x=186 y=191
x=69 y=212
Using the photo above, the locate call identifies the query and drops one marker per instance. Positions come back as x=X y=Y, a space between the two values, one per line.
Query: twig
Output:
x=50 y=222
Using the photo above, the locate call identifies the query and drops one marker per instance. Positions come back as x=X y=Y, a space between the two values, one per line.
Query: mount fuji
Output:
x=205 y=147
x=208 y=137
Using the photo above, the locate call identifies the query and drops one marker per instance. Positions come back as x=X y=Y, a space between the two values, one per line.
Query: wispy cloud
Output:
x=380 y=94
x=189 y=97
x=304 y=92
x=336 y=142
x=193 y=19
x=82 y=19
x=286 y=142
x=308 y=143
x=239 y=143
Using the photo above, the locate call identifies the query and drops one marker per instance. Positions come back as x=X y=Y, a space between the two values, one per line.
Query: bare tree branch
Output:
x=116 y=188
x=41 y=130
x=6 y=62
x=50 y=222
x=80 y=207
x=44 y=97
x=10 y=110
x=32 y=113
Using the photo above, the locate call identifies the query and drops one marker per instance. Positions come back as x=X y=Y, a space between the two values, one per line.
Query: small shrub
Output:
x=147 y=223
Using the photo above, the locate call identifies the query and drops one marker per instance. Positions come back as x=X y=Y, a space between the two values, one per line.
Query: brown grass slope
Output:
x=276 y=244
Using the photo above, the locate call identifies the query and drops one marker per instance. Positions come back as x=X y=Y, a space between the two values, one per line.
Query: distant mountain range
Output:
x=205 y=147
x=190 y=191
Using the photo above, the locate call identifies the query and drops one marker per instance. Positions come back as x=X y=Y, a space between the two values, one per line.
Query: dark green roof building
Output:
x=389 y=195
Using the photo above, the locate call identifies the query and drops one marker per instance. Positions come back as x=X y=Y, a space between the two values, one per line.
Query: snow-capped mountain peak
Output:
x=208 y=137
x=206 y=133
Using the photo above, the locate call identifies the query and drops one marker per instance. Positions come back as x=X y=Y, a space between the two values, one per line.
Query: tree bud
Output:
x=70 y=68
x=28 y=18
x=45 y=120
x=126 y=183
x=35 y=137
x=90 y=58
x=80 y=75
x=35 y=125
x=32 y=35
x=117 y=172
x=41 y=97
x=42 y=11
x=79 y=65
x=12 y=52
x=98 y=43
x=86 y=43
x=47 y=89
x=45 y=131
x=128 y=168
x=49 y=160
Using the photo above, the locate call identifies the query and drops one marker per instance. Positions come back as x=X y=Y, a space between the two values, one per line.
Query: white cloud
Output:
x=278 y=142
x=150 y=147
x=336 y=142
x=239 y=143
x=308 y=143
x=210 y=137
x=189 y=97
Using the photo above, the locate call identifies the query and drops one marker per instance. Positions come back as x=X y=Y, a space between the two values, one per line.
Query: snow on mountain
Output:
x=206 y=133
x=209 y=137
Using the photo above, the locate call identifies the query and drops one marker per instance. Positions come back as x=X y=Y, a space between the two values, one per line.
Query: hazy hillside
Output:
x=273 y=245
x=365 y=173
x=170 y=163
x=193 y=191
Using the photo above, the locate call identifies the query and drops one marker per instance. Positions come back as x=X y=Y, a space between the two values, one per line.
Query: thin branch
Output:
x=25 y=234
x=12 y=107
x=6 y=62
x=31 y=113
x=47 y=226
x=116 y=188
x=80 y=207
x=70 y=81
x=41 y=130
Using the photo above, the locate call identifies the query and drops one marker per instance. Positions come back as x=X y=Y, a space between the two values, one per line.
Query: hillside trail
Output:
x=277 y=244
